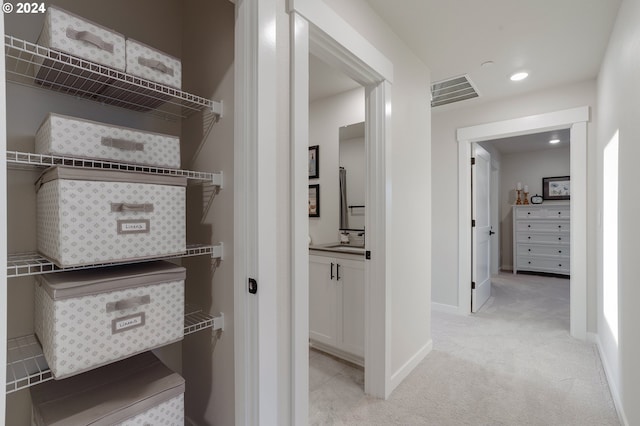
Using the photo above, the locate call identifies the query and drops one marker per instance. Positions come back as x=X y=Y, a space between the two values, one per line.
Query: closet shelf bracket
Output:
x=217 y=251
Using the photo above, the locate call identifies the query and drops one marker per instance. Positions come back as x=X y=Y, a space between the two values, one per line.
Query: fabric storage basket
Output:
x=63 y=135
x=88 y=216
x=152 y=64
x=80 y=38
x=88 y=318
x=136 y=391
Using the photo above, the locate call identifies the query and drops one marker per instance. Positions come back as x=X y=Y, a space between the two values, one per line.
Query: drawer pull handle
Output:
x=559 y=226
x=528 y=212
x=529 y=262
x=130 y=303
x=560 y=265
x=331 y=270
x=529 y=237
x=559 y=238
x=127 y=207
x=559 y=251
x=90 y=38
x=529 y=249
x=529 y=226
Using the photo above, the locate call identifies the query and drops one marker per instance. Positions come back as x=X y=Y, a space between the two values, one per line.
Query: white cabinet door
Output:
x=323 y=301
x=351 y=286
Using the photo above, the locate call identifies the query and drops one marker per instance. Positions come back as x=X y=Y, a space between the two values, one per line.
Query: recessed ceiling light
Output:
x=554 y=141
x=519 y=76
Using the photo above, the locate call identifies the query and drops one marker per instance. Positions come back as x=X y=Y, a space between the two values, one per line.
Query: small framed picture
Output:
x=314 y=162
x=556 y=188
x=314 y=200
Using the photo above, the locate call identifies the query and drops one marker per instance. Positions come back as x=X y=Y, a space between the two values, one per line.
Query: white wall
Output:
x=619 y=103
x=408 y=190
x=444 y=151
x=528 y=168
x=326 y=116
x=352 y=158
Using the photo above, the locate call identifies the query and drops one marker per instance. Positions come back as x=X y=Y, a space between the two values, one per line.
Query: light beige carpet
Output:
x=513 y=363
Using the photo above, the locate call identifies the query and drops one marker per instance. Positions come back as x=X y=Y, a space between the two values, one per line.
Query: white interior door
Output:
x=481 y=275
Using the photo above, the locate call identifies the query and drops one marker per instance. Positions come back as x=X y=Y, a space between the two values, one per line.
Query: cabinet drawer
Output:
x=543 y=264
x=526 y=237
x=544 y=250
x=542 y=226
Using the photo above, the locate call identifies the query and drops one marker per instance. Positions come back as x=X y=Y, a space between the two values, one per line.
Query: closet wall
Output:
x=201 y=33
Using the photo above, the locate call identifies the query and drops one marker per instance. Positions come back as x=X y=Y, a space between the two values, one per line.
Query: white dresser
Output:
x=541 y=238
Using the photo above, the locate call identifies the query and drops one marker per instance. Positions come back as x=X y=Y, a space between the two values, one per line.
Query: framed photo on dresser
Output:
x=556 y=188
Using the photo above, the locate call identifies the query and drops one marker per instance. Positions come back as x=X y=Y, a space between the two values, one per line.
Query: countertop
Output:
x=338 y=248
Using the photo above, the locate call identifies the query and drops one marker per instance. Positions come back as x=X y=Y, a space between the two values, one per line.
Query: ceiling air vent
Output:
x=452 y=90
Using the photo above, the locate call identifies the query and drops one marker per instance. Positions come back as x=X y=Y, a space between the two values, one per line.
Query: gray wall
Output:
x=528 y=168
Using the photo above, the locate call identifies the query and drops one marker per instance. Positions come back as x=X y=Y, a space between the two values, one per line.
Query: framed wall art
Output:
x=314 y=162
x=556 y=188
x=314 y=200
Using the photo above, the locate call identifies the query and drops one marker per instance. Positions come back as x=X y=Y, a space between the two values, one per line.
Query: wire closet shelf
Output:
x=30 y=64
x=26 y=365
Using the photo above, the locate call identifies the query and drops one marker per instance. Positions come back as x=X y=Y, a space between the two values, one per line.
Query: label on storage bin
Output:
x=127 y=323
x=133 y=226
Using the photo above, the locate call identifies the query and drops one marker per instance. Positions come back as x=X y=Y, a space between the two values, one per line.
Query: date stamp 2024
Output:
x=24 y=8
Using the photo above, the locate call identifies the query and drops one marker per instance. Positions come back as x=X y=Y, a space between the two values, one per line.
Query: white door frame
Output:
x=255 y=210
x=576 y=119
x=3 y=230
x=318 y=29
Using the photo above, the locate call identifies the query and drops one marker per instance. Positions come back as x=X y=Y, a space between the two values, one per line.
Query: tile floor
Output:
x=335 y=387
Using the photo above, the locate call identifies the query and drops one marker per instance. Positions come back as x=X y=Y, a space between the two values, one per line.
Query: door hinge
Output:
x=367 y=255
x=253 y=286
x=473 y=285
x=473 y=223
x=473 y=161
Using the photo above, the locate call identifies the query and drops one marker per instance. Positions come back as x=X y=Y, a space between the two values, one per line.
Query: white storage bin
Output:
x=88 y=318
x=78 y=37
x=152 y=64
x=63 y=135
x=137 y=391
x=88 y=216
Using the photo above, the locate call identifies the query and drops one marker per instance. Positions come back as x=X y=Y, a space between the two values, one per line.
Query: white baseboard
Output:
x=594 y=338
x=441 y=307
x=407 y=368
x=354 y=359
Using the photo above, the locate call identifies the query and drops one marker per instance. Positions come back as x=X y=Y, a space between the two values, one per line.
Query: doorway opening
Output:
x=337 y=216
x=576 y=121
x=522 y=209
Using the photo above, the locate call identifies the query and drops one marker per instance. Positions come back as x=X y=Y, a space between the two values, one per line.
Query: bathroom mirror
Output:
x=352 y=176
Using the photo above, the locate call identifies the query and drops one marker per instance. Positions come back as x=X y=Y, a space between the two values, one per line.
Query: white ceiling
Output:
x=528 y=143
x=325 y=81
x=556 y=41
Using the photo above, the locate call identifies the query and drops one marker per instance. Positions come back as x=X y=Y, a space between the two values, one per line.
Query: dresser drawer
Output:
x=530 y=237
x=543 y=264
x=544 y=250
x=546 y=212
x=542 y=226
